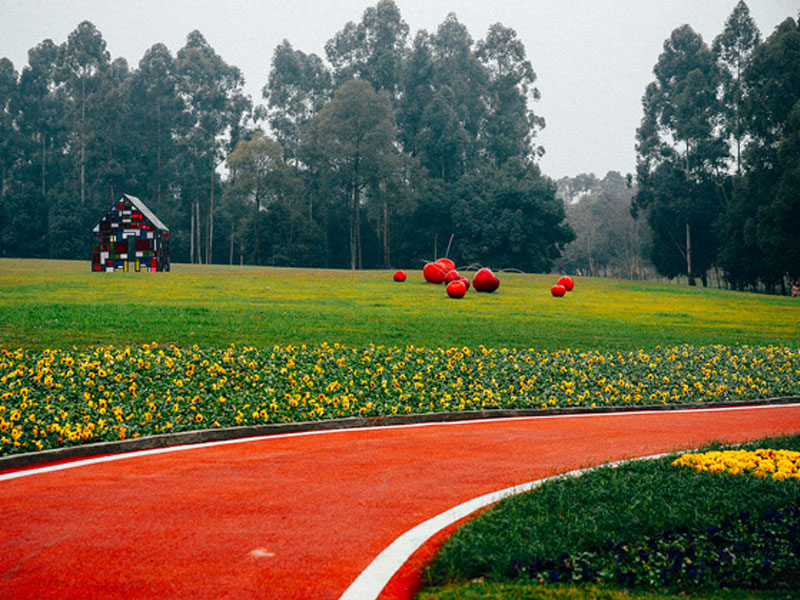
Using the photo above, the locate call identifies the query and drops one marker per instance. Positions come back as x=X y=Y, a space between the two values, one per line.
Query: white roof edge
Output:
x=146 y=212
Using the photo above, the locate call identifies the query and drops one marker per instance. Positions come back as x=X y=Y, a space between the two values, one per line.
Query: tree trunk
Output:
x=83 y=141
x=44 y=166
x=191 y=237
x=689 y=254
x=158 y=152
x=231 y=256
x=199 y=231
x=210 y=245
x=386 y=261
x=353 y=203
x=257 y=245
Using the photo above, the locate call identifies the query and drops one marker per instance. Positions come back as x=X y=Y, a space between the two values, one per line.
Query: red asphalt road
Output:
x=300 y=516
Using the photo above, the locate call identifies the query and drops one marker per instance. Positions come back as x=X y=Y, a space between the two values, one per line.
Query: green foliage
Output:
x=630 y=525
x=706 y=113
x=518 y=591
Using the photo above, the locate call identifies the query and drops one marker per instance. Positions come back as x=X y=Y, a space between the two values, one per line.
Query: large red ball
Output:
x=433 y=273
x=456 y=289
x=448 y=264
x=400 y=276
x=567 y=282
x=558 y=290
x=485 y=281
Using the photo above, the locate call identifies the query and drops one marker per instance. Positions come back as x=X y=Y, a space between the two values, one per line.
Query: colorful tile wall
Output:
x=125 y=239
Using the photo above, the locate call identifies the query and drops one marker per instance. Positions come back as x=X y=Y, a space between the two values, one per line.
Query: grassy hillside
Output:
x=58 y=304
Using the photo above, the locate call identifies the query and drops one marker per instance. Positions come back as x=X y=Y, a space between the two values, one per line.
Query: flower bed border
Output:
x=231 y=433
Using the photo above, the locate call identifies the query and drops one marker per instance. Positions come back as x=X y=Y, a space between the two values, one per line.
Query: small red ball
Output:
x=558 y=290
x=452 y=276
x=456 y=289
x=400 y=276
x=567 y=282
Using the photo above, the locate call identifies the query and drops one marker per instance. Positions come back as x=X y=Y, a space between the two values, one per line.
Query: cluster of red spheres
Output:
x=564 y=285
x=456 y=285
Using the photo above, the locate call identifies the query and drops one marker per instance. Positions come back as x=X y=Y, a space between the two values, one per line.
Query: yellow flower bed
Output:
x=764 y=462
x=52 y=398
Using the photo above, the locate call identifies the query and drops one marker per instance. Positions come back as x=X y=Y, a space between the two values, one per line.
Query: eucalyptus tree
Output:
x=373 y=49
x=83 y=62
x=681 y=157
x=259 y=177
x=732 y=49
x=40 y=155
x=39 y=114
x=158 y=111
x=212 y=92
x=9 y=143
x=353 y=143
x=510 y=125
x=760 y=231
x=417 y=85
x=443 y=143
x=299 y=85
x=457 y=67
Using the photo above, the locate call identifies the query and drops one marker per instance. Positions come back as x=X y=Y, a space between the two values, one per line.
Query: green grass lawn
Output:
x=58 y=304
x=651 y=526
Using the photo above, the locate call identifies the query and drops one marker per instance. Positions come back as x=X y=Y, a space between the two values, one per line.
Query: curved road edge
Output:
x=203 y=436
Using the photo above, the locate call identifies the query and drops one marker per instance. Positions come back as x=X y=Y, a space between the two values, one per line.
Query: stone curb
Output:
x=232 y=433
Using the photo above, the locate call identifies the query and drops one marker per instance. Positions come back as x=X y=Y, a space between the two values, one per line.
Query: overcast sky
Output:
x=593 y=58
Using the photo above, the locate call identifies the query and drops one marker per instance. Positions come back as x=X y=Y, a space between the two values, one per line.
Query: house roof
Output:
x=143 y=209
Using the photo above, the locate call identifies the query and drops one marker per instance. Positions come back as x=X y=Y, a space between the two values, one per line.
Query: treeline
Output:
x=718 y=155
x=609 y=241
x=388 y=151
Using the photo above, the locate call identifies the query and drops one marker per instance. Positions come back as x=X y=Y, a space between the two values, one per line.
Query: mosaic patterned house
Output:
x=130 y=238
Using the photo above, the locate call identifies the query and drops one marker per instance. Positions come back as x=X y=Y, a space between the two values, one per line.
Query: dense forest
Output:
x=718 y=169
x=387 y=152
x=394 y=149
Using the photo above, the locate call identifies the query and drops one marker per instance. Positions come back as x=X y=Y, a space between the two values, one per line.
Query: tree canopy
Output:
x=363 y=158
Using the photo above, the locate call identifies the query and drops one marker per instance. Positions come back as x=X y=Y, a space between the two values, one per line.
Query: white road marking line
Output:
x=370 y=583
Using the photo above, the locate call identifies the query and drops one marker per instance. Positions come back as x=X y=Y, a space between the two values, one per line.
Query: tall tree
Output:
x=417 y=92
x=457 y=67
x=260 y=177
x=299 y=86
x=680 y=157
x=444 y=144
x=353 y=136
x=509 y=218
x=510 y=124
x=732 y=49
x=158 y=111
x=764 y=208
x=83 y=62
x=212 y=92
x=8 y=143
x=372 y=50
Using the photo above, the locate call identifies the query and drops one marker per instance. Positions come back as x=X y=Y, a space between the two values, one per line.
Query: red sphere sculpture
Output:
x=558 y=290
x=400 y=276
x=567 y=282
x=485 y=281
x=456 y=289
x=433 y=273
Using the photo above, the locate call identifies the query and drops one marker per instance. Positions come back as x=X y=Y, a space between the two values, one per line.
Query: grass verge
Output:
x=644 y=525
x=506 y=591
